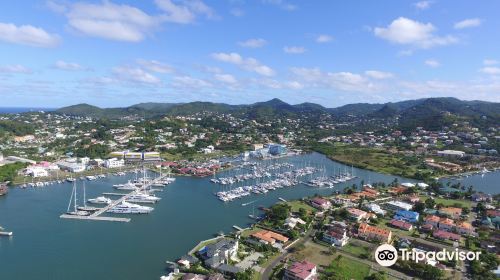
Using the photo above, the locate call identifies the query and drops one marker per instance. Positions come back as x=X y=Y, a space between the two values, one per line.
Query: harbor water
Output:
x=47 y=247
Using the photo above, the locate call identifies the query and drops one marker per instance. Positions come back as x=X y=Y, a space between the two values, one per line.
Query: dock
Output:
x=112 y=193
x=6 y=233
x=282 y=199
x=237 y=228
x=96 y=216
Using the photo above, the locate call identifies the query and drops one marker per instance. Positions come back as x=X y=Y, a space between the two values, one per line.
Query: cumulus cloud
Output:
x=294 y=50
x=111 y=21
x=405 y=31
x=184 y=11
x=68 y=66
x=432 y=63
x=156 y=66
x=16 y=68
x=467 y=23
x=490 y=70
x=422 y=5
x=378 y=74
x=253 y=43
x=27 y=35
x=323 y=38
x=490 y=62
x=344 y=81
x=136 y=75
x=248 y=64
x=190 y=82
x=226 y=78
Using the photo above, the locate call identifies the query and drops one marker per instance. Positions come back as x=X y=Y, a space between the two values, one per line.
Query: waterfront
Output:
x=47 y=247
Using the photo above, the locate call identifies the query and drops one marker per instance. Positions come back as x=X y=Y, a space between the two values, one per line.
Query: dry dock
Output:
x=96 y=216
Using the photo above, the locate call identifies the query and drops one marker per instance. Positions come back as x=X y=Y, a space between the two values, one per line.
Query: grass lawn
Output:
x=356 y=250
x=345 y=268
x=249 y=232
x=297 y=204
x=451 y=202
x=314 y=253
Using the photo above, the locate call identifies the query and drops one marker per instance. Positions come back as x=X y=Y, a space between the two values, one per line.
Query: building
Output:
x=356 y=214
x=256 y=147
x=451 y=153
x=114 y=163
x=432 y=220
x=452 y=212
x=277 y=150
x=71 y=166
x=321 y=203
x=373 y=233
x=401 y=224
x=218 y=253
x=37 y=171
x=464 y=228
x=408 y=216
x=444 y=235
x=336 y=235
x=136 y=156
x=398 y=205
x=303 y=270
x=375 y=208
x=269 y=237
x=292 y=222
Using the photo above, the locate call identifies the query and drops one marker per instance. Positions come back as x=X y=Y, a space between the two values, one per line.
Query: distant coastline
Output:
x=15 y=110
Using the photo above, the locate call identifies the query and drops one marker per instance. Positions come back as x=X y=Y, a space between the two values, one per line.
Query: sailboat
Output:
x=73 y=200
x=85 y=207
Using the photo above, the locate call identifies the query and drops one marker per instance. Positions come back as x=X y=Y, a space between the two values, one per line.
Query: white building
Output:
x=37 y=172
x=451 y=153
x=398 y=205
x=292 y=222
x=71 y=166
x=114 y=163
x=375 y=208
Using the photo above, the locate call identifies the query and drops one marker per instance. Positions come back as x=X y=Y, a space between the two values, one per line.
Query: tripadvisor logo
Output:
x=387 y=255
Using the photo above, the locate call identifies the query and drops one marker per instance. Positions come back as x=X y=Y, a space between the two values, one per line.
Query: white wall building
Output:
x=114 y=163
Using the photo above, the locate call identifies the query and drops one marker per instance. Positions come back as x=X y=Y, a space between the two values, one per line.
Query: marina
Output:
x=187 y=213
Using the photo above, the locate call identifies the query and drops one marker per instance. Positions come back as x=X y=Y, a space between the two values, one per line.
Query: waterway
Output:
x=47 y=247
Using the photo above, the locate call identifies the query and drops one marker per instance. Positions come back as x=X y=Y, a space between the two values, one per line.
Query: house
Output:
x=291 y=222
x=375 y=208
x=269 y=237
x=192 y=276
x=453 y=212
x=398 y=205
x=303 y=270
x=446 y=224
x=37 y=171
x=321 y=203
x=451 y=153
x=481 y=197
x=336 y=235
x=218 y=253
x=114 y=163
x=408 y=216
x=444 y=235
x=374 y=233
x=401 y=224
x=432 y=220
x=356 y=214
x=464 y=228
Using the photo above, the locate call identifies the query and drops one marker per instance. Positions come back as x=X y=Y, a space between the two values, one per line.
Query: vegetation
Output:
x=344 y=268
x=8 y=172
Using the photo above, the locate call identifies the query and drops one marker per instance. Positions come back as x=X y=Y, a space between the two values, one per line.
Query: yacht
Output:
x=129 y=186
x=71 y=180
x=130 y=208
x=100 y=200
x=142 y=197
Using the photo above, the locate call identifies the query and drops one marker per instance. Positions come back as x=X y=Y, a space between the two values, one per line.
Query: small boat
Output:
x=100 y=200
x=130 y=208
x=3 y=189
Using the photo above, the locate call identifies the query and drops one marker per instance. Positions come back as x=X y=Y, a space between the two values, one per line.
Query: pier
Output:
x=96 y=216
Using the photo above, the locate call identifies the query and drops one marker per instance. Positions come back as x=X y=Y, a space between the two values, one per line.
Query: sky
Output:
x=114 y=53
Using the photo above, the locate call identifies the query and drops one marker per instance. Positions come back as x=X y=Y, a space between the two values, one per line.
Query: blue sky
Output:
x=117 y=53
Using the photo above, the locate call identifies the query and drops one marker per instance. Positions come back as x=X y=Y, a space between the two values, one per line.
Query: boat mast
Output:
x=74 y=187
x=70 y=199
x=84 y=198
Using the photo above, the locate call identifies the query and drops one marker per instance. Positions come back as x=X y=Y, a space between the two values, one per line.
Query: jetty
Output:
x=96 y=216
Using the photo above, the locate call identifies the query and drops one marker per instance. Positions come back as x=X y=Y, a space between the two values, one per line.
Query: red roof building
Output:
x=303 y=270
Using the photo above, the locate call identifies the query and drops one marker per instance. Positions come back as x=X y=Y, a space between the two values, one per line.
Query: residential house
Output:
x=374 y=233
x=336 y=235
x=219 y=252
x=401 y=224
x=303 y=270
x=408 y=216
x=445 y=235
x=321 y=203
x=453 y=212
x=291 y=222
x=398 y=205
x=269 y=237
x=464 y=228
x=356 y=214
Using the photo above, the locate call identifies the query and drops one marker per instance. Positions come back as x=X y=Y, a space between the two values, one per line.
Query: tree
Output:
x=430 y=203
x=377 y=276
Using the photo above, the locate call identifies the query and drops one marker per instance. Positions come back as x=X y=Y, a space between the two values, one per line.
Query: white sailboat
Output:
x=73 y=200
x=85 y=207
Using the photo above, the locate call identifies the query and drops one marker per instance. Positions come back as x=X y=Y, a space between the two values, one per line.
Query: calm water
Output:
x=47 y=247
x=487 y=183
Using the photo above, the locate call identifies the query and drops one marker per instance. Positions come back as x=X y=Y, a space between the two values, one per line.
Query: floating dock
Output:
x=96 y=216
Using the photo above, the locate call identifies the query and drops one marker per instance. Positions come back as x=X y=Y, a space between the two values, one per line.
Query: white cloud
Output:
x=405 y=31
x=68 y=66
x=432 y=63
x=467 y=23
x=226 y=78
x=16 y=68
x=378 y=74
x=27 y=35
x=323 y=38
x=249 y=64
x=253 y=43
x=237 y=12
x=282 y=4
x=111 y=21
x=422 y=5
x=190 y=82
x=294 y=50
x=490 y=70
x=137 y=75
x=156 y=66
x=490 y=62
x=184 y=11
x=343 y=81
